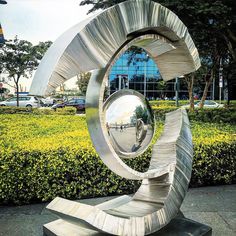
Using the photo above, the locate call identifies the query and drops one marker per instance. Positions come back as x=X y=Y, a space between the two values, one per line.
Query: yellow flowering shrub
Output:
x=44 y=156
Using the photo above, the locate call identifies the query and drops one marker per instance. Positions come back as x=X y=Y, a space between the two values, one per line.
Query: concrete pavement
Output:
x=213 y=206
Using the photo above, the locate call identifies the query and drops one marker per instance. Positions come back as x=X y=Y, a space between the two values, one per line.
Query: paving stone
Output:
x=24 y=225
x=214 y=220
x=213 y=206
x=213 y=199
x=230 y=219
x=26 y=209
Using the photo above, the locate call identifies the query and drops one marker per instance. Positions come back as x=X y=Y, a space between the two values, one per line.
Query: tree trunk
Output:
x=190 y=81
x=228 y=88
x=232 y=50
x=17 y=94
x=207 y=85
x=230 y=41
x=16 y=80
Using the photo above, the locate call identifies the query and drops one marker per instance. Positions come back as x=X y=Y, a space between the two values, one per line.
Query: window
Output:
x=139 y=69
x=80 y=101
x=72 y=101
x=12 y=99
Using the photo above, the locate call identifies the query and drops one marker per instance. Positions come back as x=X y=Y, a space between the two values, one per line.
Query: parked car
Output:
x=47 y=102
x=207 y=104
x=78 y=103
x=211 y=104
x=24 y=101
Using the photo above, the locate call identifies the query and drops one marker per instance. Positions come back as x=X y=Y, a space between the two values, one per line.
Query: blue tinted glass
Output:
x=137 y=69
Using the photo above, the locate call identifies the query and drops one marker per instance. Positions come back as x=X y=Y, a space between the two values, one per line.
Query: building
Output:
x=140 y=72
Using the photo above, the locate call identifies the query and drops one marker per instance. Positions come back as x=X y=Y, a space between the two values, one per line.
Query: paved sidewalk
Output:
x=213 y=206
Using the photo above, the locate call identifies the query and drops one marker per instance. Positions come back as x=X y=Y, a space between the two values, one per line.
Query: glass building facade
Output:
x=139 y=72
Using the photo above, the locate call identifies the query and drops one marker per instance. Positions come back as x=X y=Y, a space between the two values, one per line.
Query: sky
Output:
x=120 y=111
x=40 y=20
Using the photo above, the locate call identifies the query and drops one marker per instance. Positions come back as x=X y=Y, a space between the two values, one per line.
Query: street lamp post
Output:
x=220 y=79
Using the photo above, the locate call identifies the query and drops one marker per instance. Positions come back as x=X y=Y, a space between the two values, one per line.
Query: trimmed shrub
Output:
x=36 y=111
x=14 y=110
x=218 y=115
x=214 y=159
x=42 y=157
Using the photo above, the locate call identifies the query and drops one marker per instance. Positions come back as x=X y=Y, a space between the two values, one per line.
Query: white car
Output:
x=210 y=104
x=24 y=101
x=207 y=104
x=47 y=102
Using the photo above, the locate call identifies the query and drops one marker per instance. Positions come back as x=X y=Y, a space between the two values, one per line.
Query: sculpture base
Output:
x=179 y=226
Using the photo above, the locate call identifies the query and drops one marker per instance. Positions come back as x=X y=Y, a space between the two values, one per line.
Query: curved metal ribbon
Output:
x=94 y=44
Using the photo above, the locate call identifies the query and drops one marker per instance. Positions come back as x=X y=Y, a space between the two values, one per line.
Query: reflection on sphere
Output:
x=129 y=123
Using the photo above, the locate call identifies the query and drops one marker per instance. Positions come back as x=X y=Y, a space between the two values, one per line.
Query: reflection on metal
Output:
x=141 y=131
x=98 y=131
x=156 y=202
x=129 y=123
x=94 y=44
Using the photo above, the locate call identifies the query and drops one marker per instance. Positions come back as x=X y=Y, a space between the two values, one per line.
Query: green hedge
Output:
x=217 y=115
x=42 y=157
x=214 y=164
x=36 y=111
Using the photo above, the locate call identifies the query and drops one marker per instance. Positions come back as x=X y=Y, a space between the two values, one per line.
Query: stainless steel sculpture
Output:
x=94 y=44
x=129 y=122
x=156 y=202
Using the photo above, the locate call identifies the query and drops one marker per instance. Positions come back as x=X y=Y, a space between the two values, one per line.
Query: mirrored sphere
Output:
x=129 y=123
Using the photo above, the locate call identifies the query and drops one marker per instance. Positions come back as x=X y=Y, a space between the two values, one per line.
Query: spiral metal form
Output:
x=94 y=44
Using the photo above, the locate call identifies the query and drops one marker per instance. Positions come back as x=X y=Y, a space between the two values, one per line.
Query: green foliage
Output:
x=214 y=154
x=212 y=25
x=218 y=115
x=19 y=58
x=13 y=110
x=44 y=156
x=36 y=111
x=141 y=113
x=82 y=82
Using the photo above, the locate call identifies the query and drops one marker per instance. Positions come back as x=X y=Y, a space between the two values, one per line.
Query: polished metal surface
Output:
x=179 y=226
x=129 y=122
x=156 y=202
x=95 y=44
x=98 y=131
x=92 y=44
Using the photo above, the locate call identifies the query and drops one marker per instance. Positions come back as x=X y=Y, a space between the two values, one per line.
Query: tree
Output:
x=100 y=4
x=19 y=58
x=82 y=81
x=204 y=18
x=189 y=78
x=212 y=25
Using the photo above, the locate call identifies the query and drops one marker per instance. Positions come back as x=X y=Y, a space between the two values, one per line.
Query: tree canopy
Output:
x=19 y=58
x=82 y=82
x=212 y=25
x=210 y=22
